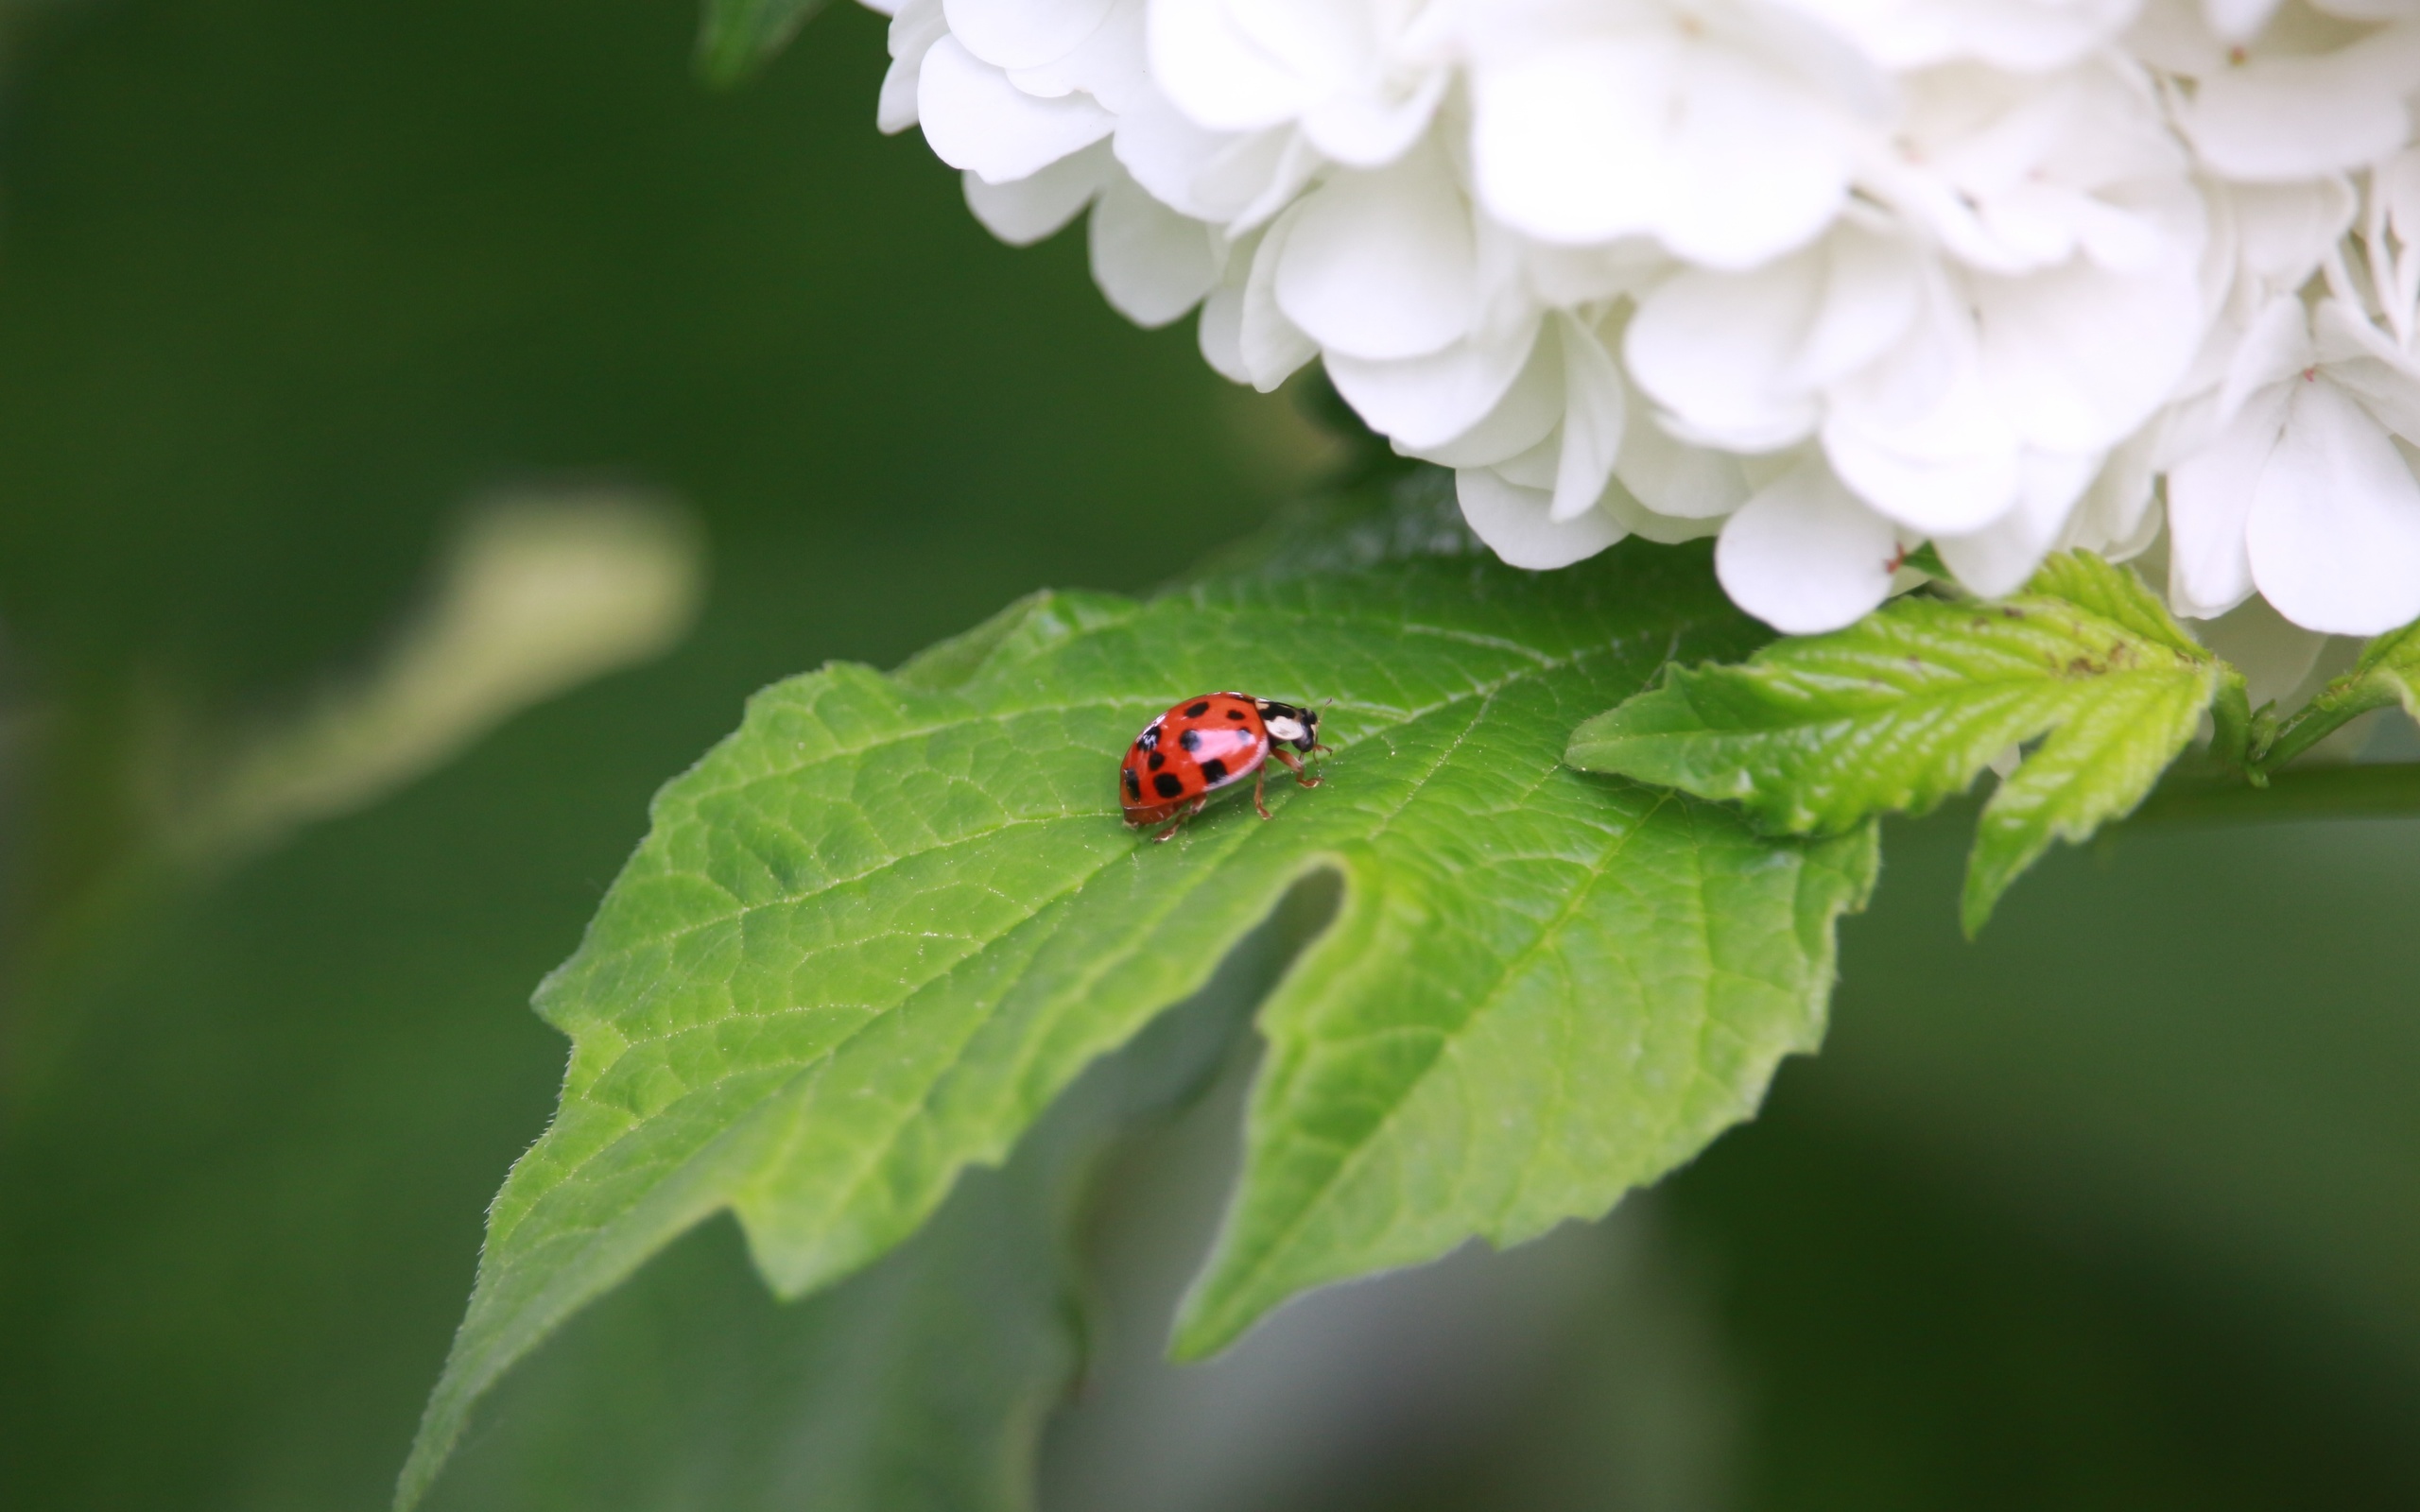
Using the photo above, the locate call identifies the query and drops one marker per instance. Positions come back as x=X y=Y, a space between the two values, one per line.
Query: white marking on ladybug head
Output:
x=1283 y=728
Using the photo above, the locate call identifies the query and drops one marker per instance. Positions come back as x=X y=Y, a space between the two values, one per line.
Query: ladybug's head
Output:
x=1289 y=725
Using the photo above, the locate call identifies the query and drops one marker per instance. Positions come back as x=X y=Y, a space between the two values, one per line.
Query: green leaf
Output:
x=920 y=1385
x=1907 y=707
x=876 y=932
x=735 y=38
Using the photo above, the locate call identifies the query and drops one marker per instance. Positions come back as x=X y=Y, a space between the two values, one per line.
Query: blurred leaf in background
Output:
x=540 y=593
x=2114 y=1208
x=735 y=38
x=287 y=290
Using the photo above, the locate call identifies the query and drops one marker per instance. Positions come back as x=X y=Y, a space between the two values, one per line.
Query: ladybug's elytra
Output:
x=1211 y=741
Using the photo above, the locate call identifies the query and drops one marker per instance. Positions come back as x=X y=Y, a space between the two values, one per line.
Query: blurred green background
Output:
x=2116 y=1208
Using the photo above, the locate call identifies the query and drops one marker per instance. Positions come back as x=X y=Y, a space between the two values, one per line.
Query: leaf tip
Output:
x=1992 y=868
x=737 y=38
x=1207 y=1327
x=1975 y=908
x=431 y=1447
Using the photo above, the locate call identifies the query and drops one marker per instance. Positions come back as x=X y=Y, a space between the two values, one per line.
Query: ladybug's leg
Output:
x=1260 y=786
x=1294 y=763
x=1178 y=823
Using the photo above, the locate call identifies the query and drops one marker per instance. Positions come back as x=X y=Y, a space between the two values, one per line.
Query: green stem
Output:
x=2340 y=704
x=2384 y=790
x=2231 y=721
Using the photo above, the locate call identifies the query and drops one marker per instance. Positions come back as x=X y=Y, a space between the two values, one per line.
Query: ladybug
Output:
x=1211 y=741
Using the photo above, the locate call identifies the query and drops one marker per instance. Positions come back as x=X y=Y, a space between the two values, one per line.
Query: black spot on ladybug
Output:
x=1147 y=739
x=1195 y=710
x=1190 y=740
x=1166 y=786
x=1134 y=784
x=1214 y=772
x=1158 y=761
x=1234 y=713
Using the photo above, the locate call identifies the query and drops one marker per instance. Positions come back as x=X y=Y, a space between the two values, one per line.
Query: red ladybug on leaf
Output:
x=1210 y=742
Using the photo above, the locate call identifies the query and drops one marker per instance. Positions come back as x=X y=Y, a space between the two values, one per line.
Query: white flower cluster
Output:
x=1828 y=278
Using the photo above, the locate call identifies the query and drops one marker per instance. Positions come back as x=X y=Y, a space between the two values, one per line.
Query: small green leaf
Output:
x=877 y=931
x=1907 y=707
x=2100 y=759
x=735 y=38
x=2115 y=593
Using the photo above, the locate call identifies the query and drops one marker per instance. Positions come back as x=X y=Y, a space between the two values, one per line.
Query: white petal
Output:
x=2365 y=9
x=1220 y=332
x=2210 y=499
x=1626 y=510
x=2396 y=184
x=1214 y=72
x=1805 y=556
x=1563 y=139
x=1535 y=468
x=2174 y=37
x=1717 y=352
x=1872 y=291
x=1025 y=210
x=1428 y=406
x=1673 y=478
x=1729 y=162
x=1517 y=523
x=1297 y=161
x=2274 y=654
x=1153 y=263
x=1999 y=557
x=2114 y=517
x=1761 y=167
x=2278 y=119
x=914 y=28
x=1595 y=408
x=1271 y=346
x=2080 y=358
x=976 y=120
x=1109 y=65
x=1382 y=265
x=1023 y=33
x=1921 y=437
x=2276 y=348
x=2364 y=363
x=894 y=109
x=1930 y=494
x=2335 y=529
x=1187 y=168
x=1738 y=359
x=1366 y=129
x=2014 y=34
x=2282 y=231
x=2236 y=19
